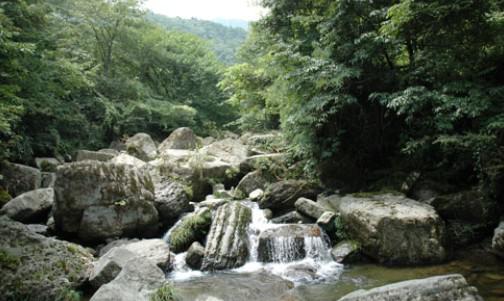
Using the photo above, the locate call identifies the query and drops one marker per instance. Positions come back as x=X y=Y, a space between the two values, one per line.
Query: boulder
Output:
x=228 y=150
x=286 y=243
x=171 y=201
x=104 y=248
x=309 y=208
x=85 y=155
x=18 y=179
x=125 y=159
x=137 y=281
x=281 y=196
x=227 y=242
x=48 y=180
x=207 y=140
x=347 y=251
x=194 y=256
x=393 y=229
x=249 y=183
x=111 y=263
x=192 y=227
x=300 y=272
x=292 y=217
x=498 y=240
x=439 y=288
x=142 y=146
x=47 y=164
x=30 y=207
x=109 y=266
x=181 y=138
x=97 y=200
x=220 y=192
x=470 y=216
x=154 y=250
x=35 y=267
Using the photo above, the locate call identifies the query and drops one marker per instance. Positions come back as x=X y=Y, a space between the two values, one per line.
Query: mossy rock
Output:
x=5 y=197
x=193 y=227
x=164 y=293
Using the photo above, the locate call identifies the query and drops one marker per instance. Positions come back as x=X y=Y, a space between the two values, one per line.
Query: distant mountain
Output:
x=225 y=40
x=233 y=23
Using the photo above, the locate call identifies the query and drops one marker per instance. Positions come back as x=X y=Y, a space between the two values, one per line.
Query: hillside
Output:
x=225 y=40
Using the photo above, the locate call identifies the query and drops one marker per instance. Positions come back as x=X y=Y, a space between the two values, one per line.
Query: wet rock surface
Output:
x=227 y=242
x=440 y=288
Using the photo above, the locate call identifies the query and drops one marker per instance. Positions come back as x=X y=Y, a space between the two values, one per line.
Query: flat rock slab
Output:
x=440 y=288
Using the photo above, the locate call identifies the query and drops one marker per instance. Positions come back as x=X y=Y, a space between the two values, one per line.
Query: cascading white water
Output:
x=315 y=257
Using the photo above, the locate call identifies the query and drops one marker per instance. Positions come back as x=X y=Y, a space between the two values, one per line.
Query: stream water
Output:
x=317 y=277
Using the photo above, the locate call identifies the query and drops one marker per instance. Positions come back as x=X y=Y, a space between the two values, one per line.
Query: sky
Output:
x=207 y=9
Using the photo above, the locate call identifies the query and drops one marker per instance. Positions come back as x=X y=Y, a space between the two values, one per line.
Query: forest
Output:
x=379 y=124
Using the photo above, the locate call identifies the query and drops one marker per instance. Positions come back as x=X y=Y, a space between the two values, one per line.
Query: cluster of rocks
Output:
x=138 y=189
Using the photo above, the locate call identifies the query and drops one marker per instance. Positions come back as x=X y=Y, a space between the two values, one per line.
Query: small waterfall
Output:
x=290 y=256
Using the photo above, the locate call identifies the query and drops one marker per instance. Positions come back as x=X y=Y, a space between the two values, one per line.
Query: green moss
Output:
x=9 y=261
x=164 y=293
x=67 y=294
x=47 y=167
x=191 y=229
x=5 y=197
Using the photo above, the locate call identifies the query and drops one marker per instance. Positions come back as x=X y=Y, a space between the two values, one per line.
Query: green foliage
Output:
x=359 y=85
x=79 y=74
x=5 y=197
x=164 y=293
x=225 y=41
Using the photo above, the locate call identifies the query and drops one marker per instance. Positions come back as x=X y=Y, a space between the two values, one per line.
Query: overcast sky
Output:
x=207 y=9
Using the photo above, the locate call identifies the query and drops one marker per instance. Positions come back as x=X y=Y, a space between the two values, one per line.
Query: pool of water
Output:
x=480 y=268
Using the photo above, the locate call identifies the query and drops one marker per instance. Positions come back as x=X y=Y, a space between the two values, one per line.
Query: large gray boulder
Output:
x=171 y=201
x=292 y=217
x=35 y=267
x=227 y=242
x=392 y=228
x=142 y=146
x=498 y=240
x=281 y=196
x=137 y=281
x=181 y=138
x=111 y=264
x=192 y=227
x=85 y=155
x=18 y=179
x=309 y=208
x=228 y=150
x=439 y=288
x=286 y=243
x=249 y=183
x=30 y=207
x=97 y=200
